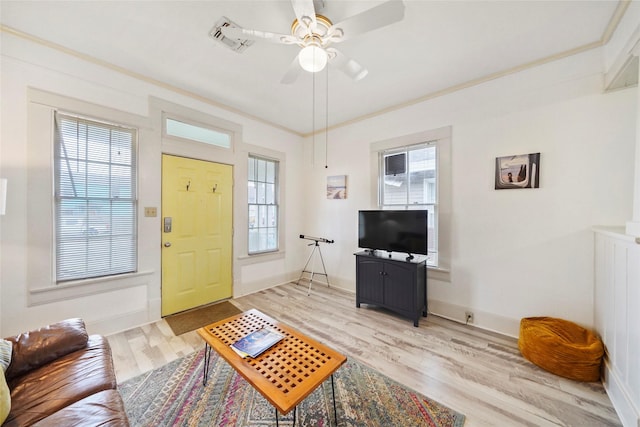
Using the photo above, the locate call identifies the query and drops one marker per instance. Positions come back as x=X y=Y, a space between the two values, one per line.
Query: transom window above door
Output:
x=194 y=132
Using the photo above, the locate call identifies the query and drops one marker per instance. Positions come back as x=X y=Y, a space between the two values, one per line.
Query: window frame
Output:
x=85 y=235
x=41 y=284
x=442 y=138
x=433 y=207
x=241 y=238
x=276 y=199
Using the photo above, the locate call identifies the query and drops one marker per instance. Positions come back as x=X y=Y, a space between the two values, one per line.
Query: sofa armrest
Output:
x=41 y=346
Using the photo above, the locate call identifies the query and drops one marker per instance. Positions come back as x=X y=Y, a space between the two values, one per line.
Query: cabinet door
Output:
x=400 y=287
x=369 y=281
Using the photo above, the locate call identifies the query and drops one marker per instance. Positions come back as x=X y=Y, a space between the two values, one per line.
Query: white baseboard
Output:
x=332 y=284
x=154 y=307
x=240 y=290
x=119 y=323
x=620 y=397
x=483 y=320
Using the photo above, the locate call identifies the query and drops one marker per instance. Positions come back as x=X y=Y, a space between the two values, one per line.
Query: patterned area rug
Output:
x=173 y=395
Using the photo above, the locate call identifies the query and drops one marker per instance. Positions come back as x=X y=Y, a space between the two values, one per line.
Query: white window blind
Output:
x=95 y=198
x=263 y=205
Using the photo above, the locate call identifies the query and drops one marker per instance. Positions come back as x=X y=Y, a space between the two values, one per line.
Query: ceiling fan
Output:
x=316 y=34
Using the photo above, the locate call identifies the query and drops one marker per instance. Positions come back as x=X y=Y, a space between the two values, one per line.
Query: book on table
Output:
x=256 y=342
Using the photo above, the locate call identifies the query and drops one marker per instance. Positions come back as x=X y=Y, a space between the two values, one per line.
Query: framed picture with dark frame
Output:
x=519 y=171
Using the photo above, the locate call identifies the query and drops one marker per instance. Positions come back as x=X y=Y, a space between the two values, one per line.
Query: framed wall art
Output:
x=337 y=187
x=519 y=171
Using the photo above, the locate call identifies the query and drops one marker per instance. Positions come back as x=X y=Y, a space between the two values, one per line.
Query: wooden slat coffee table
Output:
x=286 y=373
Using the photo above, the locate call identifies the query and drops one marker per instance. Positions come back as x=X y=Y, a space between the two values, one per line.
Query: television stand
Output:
x=394 y=284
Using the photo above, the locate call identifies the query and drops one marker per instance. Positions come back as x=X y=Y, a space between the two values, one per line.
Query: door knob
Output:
x=167 y=244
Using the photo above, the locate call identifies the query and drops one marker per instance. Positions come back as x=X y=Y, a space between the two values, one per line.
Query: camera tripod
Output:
x=312 y=260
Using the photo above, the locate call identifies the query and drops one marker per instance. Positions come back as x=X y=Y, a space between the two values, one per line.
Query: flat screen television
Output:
x=393 y=231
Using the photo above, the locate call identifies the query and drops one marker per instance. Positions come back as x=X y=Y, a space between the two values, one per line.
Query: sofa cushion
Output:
x=101 y=409
x=64 y=381
x=5 y=394
x=6 y=348
x=5 y=397
x=39 y=347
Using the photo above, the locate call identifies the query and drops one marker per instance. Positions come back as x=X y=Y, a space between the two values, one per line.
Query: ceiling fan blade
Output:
x=306 y=13
x=292 y=73
x=347 y=65
x=243 y=33
x=385 y=14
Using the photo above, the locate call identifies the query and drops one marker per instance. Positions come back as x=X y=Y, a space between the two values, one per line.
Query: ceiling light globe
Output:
x=312 y=58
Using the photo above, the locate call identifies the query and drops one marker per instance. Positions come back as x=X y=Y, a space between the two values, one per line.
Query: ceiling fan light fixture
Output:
x=313 y=58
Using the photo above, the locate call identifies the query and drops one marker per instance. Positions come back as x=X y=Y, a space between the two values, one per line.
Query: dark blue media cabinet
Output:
x=394 y=283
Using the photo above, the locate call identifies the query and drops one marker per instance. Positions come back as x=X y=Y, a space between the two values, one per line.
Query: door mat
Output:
x=202 y=316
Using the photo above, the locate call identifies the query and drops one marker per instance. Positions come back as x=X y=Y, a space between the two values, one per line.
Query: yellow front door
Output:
x=196 y=233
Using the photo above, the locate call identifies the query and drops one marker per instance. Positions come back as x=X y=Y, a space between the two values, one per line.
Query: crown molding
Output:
x=616 y=17
x=139 y=76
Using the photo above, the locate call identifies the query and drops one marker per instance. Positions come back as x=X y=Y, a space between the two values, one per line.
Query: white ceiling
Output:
x=438 y=45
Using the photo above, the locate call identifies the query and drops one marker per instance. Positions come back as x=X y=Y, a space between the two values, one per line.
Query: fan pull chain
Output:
x=313 y=118
x=326 y=125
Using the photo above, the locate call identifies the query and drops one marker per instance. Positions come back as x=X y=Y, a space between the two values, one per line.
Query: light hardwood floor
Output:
x=476 y=372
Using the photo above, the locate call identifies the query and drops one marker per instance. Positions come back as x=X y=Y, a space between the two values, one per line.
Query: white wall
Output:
x=620 y=55
x=135 y=301
x=515 y=253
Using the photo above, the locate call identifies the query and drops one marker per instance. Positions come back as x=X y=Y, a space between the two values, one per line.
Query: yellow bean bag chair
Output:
x=561 y=347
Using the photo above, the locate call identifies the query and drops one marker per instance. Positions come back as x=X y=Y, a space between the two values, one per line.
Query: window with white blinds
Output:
x=95 y=198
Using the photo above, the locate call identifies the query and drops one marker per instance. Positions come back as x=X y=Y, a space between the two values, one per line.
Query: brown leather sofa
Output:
x=61 y=376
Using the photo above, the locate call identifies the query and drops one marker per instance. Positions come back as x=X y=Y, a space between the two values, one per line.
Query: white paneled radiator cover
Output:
x=617 y=318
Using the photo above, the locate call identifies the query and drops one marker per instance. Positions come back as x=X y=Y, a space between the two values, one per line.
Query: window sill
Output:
x=261 y=257
x=80 y=288
x=439 y=273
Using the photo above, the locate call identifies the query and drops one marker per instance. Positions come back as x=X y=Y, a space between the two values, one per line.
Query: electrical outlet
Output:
x=468 y=317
